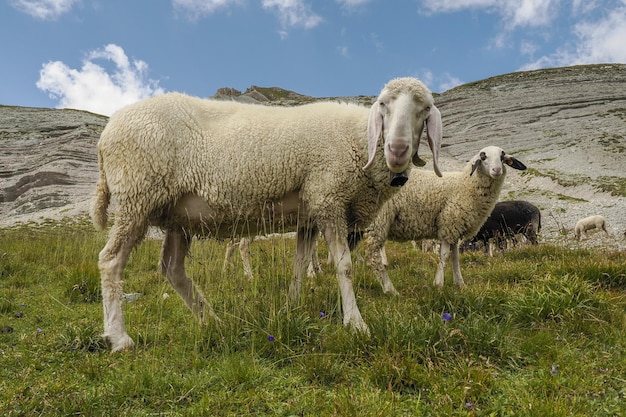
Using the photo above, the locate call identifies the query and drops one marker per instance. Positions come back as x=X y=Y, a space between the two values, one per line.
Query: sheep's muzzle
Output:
x=399 y=179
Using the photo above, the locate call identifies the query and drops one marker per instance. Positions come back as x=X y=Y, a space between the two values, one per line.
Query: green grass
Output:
x=538 y=331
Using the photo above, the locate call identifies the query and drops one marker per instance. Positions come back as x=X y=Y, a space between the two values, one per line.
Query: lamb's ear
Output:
x=513 y=163
x=374 y=132
x=475 y=165
x=434 y=133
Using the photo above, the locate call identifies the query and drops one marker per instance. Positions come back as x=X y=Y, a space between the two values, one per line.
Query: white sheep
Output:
x=226 y=169
x=590 y=223
x=449 y=209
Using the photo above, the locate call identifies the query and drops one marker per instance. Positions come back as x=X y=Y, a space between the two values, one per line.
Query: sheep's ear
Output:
x=434 y=133
x=514 y=163
x=374 y=131
x=475 y=165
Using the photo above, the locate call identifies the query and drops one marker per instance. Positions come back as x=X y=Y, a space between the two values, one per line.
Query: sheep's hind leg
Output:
x=444 y=253
x=175 y=248
x=112 y=260
x=305 y=244
x=376 y=258
x=456 y=267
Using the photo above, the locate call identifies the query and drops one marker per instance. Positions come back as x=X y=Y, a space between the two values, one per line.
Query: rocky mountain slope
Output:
x=567 y=124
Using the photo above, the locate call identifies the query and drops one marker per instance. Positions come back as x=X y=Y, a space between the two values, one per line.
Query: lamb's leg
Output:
x=444 y=253
x=304 y=248
x=175 y=248
x=456 y=267
x=314 y=266
x=340 y=251
x=376 y=258
x=112 y=259
x=244 y=251
x=230 y=248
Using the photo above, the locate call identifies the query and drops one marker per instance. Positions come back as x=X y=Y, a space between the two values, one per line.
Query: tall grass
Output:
x=538 y=332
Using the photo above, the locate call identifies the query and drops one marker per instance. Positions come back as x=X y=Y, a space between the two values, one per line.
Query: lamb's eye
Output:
x=483 y=156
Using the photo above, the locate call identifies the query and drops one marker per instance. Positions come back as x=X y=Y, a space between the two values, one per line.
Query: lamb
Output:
x=590 y=223
x=448 y=209
x=197 y=167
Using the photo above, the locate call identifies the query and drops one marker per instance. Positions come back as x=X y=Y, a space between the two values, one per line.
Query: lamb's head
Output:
x=398 y=117
x=491 y=162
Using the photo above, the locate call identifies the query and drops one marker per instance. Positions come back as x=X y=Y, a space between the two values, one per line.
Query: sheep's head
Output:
x=491 y=161
x=398 y=116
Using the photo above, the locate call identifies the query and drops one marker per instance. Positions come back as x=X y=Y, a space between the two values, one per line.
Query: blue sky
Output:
x=100 y=55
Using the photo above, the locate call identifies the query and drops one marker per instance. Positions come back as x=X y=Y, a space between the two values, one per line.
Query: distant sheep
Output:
x=448 y=209
x=590 y=223
x=507 y=220
x=226 y=169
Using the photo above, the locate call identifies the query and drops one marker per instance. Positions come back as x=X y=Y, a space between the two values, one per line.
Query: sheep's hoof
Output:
x=120 y=344
x=399 y=179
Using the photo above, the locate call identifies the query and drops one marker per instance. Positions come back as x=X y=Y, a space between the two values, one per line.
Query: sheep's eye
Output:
x=483 y=156
x=502 y=156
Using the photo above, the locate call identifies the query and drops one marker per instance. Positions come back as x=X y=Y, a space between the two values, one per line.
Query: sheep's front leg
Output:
x=175 y=248
x=305 y=244
x=444 y=253
x=340 y=251
x=456 y=267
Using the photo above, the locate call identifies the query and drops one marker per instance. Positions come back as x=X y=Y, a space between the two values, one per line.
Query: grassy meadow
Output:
x=539 y=331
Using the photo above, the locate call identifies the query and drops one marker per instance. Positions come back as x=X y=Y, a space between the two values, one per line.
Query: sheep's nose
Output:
x=398 y=149
x=497 y=171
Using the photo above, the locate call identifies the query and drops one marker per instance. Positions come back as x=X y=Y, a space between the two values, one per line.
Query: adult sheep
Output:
x=508 y=219
x=448 y=209
x=226 y=169
x=589 y=223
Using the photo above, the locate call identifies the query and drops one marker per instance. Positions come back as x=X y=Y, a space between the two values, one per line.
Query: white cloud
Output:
x=448 y=81
x=439 y=83
x=195 y=9
x=595 y=42
x=92 y=88
x=343 y=51
x=290 y=13
x=293 y=13
x=515 y=13
x=352 y=3
x=44 y=9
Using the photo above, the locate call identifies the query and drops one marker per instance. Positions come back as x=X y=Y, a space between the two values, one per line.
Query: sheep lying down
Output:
x=449 y=209
x=225 y=169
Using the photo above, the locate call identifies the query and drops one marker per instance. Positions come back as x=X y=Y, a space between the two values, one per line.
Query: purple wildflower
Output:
x=270 y=338
x=468 y=405
x=447 y=316
x=322 y=314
